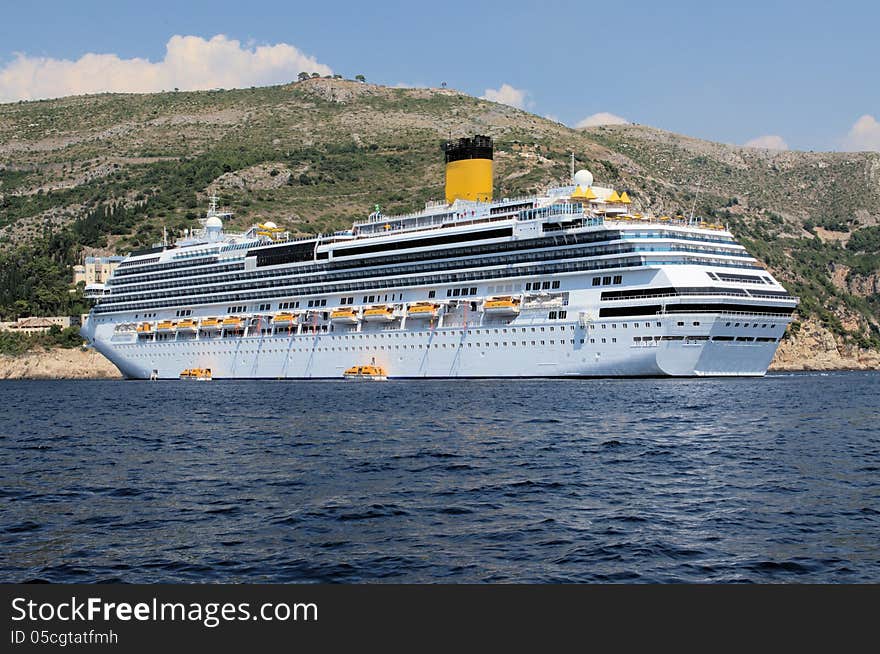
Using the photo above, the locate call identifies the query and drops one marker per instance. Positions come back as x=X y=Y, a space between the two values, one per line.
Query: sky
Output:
x=779 y=74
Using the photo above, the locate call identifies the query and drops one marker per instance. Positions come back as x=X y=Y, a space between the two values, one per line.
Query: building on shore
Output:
x=37 y=324
x=95 y=270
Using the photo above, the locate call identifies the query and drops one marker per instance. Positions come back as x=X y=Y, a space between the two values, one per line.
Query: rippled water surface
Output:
x=765 y=480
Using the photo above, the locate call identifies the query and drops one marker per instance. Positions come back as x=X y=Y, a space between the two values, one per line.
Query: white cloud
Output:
x=864 y=135
x=507 y=95
x=769 y=142
x=190 y=63
x=602 y=118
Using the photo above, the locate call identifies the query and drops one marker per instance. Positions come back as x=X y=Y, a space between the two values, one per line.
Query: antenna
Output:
x=694 y=205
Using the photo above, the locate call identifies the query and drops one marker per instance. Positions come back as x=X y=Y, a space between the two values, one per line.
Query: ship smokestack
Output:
x=469 y=169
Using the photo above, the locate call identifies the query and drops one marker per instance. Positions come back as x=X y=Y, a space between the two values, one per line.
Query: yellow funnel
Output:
x=469 y=169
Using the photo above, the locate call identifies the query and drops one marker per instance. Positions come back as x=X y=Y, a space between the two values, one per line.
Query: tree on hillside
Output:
x=360 y=78
x=315 y=75
x=303 y=76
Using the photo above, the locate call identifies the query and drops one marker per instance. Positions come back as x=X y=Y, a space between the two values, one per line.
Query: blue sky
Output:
x=805 y=72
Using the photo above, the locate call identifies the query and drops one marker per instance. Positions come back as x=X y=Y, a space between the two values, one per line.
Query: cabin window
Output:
x=618 y=279
x=556 y=284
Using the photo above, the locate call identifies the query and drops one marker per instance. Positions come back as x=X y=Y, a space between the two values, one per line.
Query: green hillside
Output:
x=103 y=174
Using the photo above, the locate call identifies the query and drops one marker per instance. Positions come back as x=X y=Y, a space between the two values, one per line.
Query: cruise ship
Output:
x=573 y=282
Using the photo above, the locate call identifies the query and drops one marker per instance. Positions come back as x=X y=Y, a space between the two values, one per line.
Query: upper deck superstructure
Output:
x=576 y=259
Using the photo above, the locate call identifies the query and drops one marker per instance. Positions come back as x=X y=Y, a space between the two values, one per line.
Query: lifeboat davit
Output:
x=210 y=324
x=344 y=316
x=187 y=325
x=283 y=319
x=379 y=314
x=501 y=306
x=422 y=310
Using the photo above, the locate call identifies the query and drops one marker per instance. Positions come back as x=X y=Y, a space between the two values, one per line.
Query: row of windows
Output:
x=241 y=308
x=125 y=284
x=666 y=233
x=636 y=339
x=183 y=312
x=404 y=346
x=714 y=307
x=167 y=266
x=451 y=253
x=204 y=288
x=286 y=277
x=608 y=280
x=300 y=275
x=670 y=291
x=410 y=281
x=624 y=325
x=457 y=292
x=142 y=262
x=557 y=315
x=289 y=305
x=308 y=329
x=369 y=299
x=461 y=252
x=745 y=279
x=545 y=285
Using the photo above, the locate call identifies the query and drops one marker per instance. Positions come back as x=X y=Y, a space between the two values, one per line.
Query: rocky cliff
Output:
x=58 y=364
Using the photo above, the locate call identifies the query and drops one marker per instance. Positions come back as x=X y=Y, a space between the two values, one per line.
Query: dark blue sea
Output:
x=713 y=480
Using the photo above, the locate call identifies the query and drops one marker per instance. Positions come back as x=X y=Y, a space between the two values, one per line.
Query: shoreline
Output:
x=88 y=364
x=57 y=363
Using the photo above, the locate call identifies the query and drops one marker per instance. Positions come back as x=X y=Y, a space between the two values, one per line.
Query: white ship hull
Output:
x=500 y=351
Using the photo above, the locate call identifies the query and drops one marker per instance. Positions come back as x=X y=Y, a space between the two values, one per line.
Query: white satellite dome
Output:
x=270 y=225
x=583 y=178
x=214 y=222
